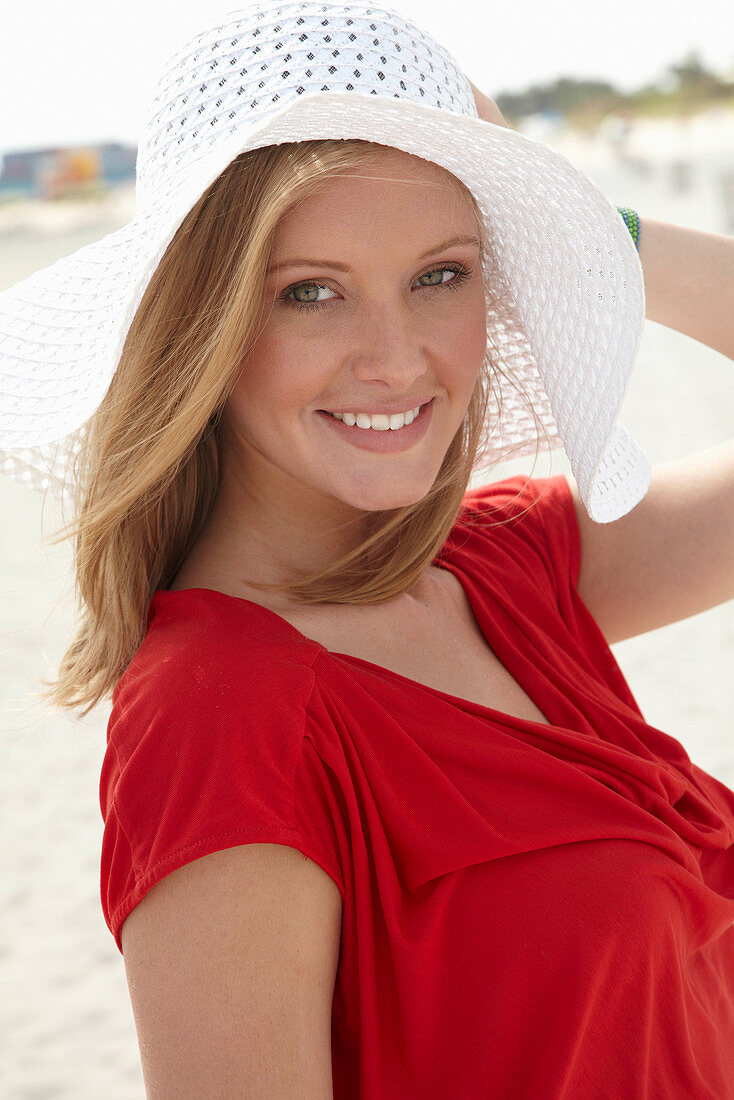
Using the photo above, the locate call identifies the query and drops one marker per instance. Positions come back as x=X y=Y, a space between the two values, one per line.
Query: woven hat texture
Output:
x=568 y=308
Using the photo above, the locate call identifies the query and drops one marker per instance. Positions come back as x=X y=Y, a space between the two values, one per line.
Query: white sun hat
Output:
x=567 y=310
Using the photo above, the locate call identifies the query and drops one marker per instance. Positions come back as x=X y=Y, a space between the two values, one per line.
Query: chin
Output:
x=376 y=498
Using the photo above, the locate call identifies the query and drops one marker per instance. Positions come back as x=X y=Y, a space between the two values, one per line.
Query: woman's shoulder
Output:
x=525 y=526
x=196 y=623
x=204 y=742
x=535 y=511
x=207 y=655
x=517 y=495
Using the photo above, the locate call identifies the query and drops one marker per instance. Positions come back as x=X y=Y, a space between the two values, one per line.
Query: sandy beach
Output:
x=66 y=1016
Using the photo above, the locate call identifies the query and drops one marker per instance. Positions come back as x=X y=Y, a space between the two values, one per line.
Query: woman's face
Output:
x=373 y=312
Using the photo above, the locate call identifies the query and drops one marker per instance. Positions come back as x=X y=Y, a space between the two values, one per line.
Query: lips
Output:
x=371 y=439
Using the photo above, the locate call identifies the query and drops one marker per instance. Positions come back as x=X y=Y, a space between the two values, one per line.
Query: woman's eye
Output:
x=310 y=291
x=440 y=271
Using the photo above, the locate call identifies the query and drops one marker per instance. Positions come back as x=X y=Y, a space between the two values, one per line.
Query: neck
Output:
x=246 y=539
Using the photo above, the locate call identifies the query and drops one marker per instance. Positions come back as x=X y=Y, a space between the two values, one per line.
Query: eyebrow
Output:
x=451 y=243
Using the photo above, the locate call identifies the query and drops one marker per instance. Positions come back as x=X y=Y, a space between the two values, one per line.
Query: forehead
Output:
x=386 y=159
x=392 y=191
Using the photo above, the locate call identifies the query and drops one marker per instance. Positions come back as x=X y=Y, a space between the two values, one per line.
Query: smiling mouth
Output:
x=380 y=422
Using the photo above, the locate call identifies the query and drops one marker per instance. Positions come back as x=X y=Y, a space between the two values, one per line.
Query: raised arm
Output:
x=689 y=282
x=672 y=556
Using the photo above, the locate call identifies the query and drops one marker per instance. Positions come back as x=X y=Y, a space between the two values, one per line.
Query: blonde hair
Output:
x=149 y=470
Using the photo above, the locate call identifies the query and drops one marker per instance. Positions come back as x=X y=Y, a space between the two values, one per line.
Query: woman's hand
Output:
x=487 y=109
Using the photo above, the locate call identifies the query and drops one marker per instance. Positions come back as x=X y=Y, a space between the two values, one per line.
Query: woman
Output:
x=382 y=817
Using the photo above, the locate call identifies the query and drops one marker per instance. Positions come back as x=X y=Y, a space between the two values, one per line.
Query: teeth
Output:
x=380 y=422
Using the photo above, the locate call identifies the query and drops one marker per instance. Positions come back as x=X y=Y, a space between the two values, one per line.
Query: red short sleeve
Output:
x=204 y=746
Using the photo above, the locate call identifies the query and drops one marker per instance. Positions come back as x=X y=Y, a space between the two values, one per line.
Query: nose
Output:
x=390 y=349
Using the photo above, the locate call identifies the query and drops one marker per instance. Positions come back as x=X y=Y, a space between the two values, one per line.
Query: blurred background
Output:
x=640 y=97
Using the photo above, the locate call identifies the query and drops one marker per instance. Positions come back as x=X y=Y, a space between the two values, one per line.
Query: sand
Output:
x=66 y=1017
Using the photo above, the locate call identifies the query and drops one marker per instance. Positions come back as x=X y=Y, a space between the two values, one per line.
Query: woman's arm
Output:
x=672 y=556
x=689 y=282
x=669 y=558
x=689 y=274
x=231 y=963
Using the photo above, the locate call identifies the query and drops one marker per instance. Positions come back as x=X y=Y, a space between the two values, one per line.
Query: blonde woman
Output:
x=382 y=816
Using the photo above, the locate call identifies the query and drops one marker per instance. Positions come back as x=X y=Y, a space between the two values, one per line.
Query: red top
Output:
x=530 y=909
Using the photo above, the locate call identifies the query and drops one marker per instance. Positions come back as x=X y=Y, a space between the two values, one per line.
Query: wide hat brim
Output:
x=565 y=316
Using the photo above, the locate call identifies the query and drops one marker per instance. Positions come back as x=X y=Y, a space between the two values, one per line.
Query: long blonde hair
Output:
x=146 y=478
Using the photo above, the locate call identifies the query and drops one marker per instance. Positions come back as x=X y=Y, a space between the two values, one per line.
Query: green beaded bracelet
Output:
x=632 y=221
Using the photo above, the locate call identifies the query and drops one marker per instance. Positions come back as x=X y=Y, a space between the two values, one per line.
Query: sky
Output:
x=83 y=71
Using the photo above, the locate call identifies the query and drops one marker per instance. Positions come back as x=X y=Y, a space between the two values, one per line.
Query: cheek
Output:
x=474 y=332
x=464 y=341
x=277 y=377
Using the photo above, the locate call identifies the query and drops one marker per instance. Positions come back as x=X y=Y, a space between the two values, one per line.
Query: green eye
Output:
x=311 y=302
x=439 y=280
x=460 y=275
x=309 y=288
